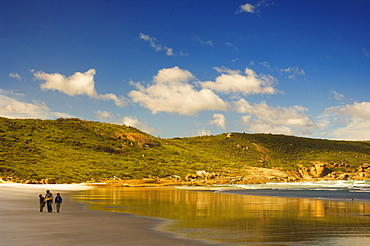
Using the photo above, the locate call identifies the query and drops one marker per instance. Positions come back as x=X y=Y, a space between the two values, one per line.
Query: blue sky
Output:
x=192 y=67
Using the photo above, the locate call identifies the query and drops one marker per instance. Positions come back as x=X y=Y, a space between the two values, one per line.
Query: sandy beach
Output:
x=23 y=224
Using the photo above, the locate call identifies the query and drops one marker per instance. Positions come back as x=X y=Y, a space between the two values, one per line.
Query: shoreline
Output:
x=23 y=224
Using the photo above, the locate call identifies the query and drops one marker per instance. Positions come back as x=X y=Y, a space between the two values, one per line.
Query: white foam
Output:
x=326 y=185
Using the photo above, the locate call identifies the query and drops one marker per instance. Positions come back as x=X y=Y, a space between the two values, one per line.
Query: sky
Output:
x=182 y=68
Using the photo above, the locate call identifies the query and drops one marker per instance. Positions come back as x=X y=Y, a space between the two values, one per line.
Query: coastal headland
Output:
x=65 y=151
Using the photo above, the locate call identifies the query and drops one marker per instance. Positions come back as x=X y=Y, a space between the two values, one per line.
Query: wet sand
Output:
x=21 y=223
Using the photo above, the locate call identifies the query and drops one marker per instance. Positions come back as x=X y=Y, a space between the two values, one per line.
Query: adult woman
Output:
x=49 y=200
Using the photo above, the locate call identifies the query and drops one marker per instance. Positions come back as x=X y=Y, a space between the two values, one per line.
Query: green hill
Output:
x=73 y=150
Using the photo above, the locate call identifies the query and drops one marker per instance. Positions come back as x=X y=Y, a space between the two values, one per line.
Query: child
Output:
x=42 y=203
x=58 y=202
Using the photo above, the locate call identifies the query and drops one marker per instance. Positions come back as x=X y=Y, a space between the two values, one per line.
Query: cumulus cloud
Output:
x=77 y=84
x=348 y=122
x=269 y=128
x=203 y=132
x=357 y=110
x=172 y=92
x=127 y=120
x=173 y=75
x=249 y=8
x=15 y=76
x=219 y=120
x=356 y=129
x=279 y=120
x=134 y=122
x=10 y=107
x=235 y=81
x=246 y=119
x=103 y=115
x=155 y=45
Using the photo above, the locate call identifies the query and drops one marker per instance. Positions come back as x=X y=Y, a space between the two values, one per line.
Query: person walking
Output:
x=49 y=200
x=58 y=202
x=42 y=203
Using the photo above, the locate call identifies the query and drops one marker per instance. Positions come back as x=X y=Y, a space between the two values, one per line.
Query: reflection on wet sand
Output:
x=237 y=219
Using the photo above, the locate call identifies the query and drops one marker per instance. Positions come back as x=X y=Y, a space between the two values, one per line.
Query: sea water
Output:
x=336 y=189
x=307 y=213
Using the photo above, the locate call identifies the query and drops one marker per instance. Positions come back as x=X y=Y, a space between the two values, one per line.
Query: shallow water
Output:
x=235 y=218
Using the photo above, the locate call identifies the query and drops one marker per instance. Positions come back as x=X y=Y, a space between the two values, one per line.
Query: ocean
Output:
x=306 y=213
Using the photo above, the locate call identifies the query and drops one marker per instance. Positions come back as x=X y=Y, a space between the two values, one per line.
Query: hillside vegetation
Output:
x=74 y=150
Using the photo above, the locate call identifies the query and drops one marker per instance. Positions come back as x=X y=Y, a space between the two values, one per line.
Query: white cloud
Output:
x=171 y=92
x=156 y=46
x=277 y=116
x=261 y=126
x=356 y=110
x=182 y=53
x=127 y=120
x=293 y=72
x=338 y=96
x=13 y=108
x=249 y=8
x=11 y=93
x=265 y=64
x=234 y=81
x=246 y=119
x=15 y=76
x=203 y=42
x=134 y=122
x=226 y=70
x=103 y=115
x=268 y=128
x=169 y=51
x=356 y=129
x=203 y=132
x=173 y=75
x=77 y=84
x=151 y=40
x=219 y=120
x=263 y=118
x=348 y=122
x=231 y=45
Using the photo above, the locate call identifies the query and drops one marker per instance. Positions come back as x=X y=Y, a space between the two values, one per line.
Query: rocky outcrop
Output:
x=316 y=170
x=322 y=171
x=364 y=171
x=250 y=175
x=140 y=139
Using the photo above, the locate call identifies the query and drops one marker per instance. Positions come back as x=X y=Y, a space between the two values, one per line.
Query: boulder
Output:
x=343 y=176
x=364 y=174
x=317 y=170
x=49 y=181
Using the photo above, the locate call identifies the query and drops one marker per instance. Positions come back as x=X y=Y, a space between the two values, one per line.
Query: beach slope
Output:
x=23 y=224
